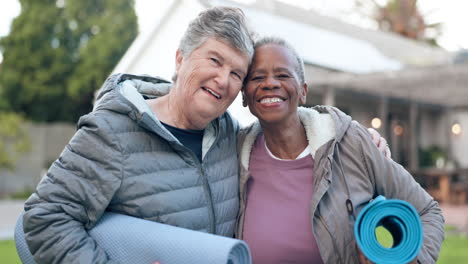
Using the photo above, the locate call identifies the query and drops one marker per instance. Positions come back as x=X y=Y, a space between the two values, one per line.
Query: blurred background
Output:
x=399 y=66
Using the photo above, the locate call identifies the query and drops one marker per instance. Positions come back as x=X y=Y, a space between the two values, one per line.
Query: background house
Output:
x=414 y=92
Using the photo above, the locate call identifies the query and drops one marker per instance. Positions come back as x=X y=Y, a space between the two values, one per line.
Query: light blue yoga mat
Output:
x=401 y=219
x=133 y=240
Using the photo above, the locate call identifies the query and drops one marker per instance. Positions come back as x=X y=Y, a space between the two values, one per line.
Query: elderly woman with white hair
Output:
x=168 y=158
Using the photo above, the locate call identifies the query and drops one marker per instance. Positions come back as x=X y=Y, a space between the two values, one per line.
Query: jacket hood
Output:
x=126 y=93
x=322 y=124
x=341 y=120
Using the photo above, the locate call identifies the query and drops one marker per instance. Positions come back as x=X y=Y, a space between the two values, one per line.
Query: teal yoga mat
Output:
x=133 y=240
x=401 y=219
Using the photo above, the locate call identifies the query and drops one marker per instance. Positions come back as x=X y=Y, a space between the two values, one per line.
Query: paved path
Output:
x=10 y=210
x=456 y=215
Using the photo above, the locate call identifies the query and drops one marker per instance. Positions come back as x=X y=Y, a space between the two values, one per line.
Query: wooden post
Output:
x=444 y=188
x=383 y=115
x=395 y=143
x=413 y=137
x=447 y=117
x=328 y=97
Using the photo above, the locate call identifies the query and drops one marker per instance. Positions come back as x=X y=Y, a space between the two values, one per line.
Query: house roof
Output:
x=321 y=47
x=330 y=43
x=322 y=41
x=391 y=45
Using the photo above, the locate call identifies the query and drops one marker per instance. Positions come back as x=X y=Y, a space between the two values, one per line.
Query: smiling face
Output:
x=273 y=90
x=208 y=81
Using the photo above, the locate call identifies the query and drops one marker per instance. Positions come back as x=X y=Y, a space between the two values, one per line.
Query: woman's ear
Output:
x=179 y=58
x=303 y=94
x=244 y=100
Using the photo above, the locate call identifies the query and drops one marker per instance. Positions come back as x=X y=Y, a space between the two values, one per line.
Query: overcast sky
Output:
x=453 y=13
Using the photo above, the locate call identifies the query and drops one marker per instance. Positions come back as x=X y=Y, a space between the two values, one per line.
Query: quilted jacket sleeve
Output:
x=73 y=195
x=393 y=181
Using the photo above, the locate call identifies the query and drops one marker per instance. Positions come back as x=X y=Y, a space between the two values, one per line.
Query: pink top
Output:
x=278 y=225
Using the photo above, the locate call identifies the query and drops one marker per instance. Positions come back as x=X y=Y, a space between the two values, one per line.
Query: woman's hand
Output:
x=380 y=142
x=364 y=260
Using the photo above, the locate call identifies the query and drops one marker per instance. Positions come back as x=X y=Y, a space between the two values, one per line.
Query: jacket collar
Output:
x=321 y=123
x=124 y=93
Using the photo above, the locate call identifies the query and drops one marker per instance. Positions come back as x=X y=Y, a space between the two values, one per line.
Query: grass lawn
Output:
x=8 y=252
x=454 y=250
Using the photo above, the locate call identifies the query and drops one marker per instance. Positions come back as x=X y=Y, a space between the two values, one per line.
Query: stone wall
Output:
x=47 y=142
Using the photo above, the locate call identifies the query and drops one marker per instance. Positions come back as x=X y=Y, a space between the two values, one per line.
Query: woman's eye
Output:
x=237 y=75
x=283 y=76
x=216 y=61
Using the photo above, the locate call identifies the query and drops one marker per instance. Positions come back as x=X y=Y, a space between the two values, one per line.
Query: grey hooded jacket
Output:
x=123 y=160
x=364 y=173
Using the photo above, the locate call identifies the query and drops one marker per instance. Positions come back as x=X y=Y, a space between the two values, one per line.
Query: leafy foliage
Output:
x=430 y=156
x=59 y=52
x=402 y=17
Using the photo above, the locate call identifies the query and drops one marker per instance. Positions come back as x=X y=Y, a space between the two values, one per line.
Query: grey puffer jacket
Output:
x=364 y=173
x=122 y=159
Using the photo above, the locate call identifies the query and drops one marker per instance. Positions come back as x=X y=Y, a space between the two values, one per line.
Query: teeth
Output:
x=270 y=100
x=212 y=92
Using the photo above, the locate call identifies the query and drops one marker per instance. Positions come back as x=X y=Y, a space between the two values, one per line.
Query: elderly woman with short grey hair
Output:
x=150 y=149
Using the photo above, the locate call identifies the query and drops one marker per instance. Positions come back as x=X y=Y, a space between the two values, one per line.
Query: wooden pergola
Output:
x=439 y=85
x=444 y=87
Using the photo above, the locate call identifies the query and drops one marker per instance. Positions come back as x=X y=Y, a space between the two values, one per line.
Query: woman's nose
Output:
x=271 y=83
x=222 y=79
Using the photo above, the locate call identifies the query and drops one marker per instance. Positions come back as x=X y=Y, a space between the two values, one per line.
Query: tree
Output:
x=402 y=17
x=59 y=52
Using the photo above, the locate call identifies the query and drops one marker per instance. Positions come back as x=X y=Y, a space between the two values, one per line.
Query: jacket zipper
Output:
x=242 y=207
x=332 y=238
x=206 y=185
x=335 y=246
x=211 y=212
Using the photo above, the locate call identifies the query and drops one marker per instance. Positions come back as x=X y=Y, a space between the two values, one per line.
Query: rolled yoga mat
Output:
x=402 y=221
x=128 y=239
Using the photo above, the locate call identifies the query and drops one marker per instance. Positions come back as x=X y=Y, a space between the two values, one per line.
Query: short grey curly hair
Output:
x=226 y=24
x=283 y=43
